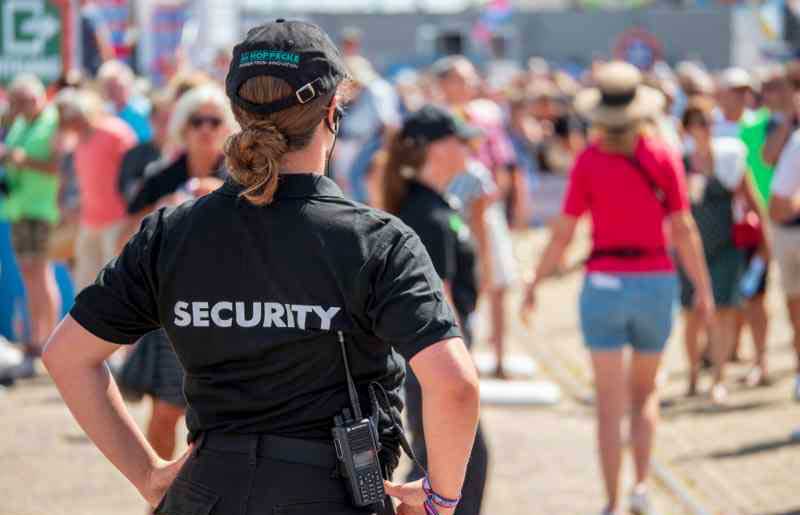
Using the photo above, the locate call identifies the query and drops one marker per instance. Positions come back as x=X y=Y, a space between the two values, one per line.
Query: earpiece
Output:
x=334 y=128
x=337 y=118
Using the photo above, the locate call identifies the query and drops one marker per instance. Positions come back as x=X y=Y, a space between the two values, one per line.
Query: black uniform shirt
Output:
x=165 y=181
x=447 y=239
x=251 y=298
x=136 y=163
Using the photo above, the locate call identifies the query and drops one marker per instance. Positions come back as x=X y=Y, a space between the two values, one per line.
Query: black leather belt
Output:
x=291 y=450
x=625 y=253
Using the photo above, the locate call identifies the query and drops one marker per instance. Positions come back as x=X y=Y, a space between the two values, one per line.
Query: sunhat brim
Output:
x=646 y=102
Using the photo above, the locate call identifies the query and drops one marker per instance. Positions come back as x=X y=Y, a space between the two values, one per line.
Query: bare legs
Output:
x=721 y=339
x=614 y=386
x=644 y=410
x=793 y=305
x=755 y=312
x=694 y=351
x=43 y=299
x=497 y=304
x=721 y=336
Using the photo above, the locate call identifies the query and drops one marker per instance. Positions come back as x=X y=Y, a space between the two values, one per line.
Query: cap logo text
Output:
x=268 y=57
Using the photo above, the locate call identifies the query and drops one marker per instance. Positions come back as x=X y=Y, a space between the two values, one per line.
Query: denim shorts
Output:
x=626 y=308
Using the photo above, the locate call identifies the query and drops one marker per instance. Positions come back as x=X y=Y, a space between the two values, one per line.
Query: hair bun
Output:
x=253 y=155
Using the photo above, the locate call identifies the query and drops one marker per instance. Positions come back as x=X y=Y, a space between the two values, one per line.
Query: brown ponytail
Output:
x=405 y=160
x=254 y=154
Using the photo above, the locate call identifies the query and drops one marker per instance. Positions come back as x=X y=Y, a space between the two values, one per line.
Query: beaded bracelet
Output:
x=430 y=509
x=434 y=498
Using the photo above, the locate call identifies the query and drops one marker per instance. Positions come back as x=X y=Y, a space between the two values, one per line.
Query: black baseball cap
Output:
x=431 y=123
x=298 y=52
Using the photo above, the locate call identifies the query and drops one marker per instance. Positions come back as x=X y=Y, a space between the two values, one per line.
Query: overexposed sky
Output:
x=360 y=5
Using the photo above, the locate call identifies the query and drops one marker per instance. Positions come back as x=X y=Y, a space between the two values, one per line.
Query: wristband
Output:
x=430 y=509
x=434 y=498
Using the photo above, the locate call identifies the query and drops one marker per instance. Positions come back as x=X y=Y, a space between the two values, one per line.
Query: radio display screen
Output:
x=362 y=459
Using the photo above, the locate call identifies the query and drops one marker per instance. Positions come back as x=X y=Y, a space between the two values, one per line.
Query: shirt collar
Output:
x=294 y=185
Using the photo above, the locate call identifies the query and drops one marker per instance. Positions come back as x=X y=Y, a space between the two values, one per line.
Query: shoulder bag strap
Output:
x=645 y=175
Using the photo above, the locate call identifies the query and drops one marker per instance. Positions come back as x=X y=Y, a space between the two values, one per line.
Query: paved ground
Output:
x=739 y=460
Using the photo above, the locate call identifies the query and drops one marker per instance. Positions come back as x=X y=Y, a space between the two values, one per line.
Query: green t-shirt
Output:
x=753 y=133
x=32 y=194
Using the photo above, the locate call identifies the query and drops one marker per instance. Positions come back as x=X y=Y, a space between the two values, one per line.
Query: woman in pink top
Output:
x=630 y=184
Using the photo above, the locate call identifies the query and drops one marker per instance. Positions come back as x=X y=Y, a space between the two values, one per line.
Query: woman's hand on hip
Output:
x=412 y=498
x=161 y=478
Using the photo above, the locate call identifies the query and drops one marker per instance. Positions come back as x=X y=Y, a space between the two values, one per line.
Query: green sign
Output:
x=30 y=39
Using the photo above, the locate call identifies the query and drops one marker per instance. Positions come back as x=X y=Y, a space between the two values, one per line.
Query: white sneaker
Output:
x=639 y=502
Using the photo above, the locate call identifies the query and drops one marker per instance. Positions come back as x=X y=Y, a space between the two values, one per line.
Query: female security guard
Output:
x=424 y=157
x=252 y=284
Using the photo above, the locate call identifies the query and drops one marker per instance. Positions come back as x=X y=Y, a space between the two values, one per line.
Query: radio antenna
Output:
x=351 y=385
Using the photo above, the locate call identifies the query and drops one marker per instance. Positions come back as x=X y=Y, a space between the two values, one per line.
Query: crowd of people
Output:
x=672 y=162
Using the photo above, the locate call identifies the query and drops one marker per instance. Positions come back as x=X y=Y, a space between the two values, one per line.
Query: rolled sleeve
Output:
x=407 y=307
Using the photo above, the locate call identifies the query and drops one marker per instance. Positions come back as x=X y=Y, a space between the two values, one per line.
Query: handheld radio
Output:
x=355 y=438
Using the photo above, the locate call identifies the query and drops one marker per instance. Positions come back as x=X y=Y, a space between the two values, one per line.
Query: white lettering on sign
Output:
x=252 y=314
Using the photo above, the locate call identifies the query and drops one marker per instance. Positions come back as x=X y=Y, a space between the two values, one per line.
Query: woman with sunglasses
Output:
x=716 y=174
x=267 y=288
x=199 y=125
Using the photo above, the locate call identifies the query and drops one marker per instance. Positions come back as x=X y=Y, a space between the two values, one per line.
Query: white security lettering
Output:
x=241 y=319
x=182 y=317
x=302 y=310
x=240 y=314
x=273 y=314
x=216 y=314
x=200 y=314
x=325 y=316
x=289 y=316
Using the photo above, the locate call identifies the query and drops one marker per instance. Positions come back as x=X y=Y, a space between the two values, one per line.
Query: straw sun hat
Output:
x=620 y=98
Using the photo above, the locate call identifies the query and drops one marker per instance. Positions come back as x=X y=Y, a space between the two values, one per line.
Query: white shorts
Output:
x=504 y=266
x=786 y=246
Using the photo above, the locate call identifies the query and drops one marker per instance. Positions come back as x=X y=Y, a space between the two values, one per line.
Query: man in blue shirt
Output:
x=117 y=84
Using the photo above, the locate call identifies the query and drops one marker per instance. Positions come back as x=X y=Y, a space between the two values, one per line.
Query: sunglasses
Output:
x=700 y=122
x=195 y=122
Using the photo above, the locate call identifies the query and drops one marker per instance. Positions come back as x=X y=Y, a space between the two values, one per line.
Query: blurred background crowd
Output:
x=89 y=151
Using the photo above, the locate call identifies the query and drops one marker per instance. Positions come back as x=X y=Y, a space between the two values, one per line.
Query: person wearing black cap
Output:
x=261 y=286
x=428 y=152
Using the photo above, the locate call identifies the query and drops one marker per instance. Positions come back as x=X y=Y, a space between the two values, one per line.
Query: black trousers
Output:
x=258 y=475
x=477 y=468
